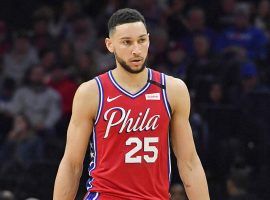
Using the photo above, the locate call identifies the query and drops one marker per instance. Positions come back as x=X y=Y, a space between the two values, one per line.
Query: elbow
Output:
x=189 y=165
x=194 y=161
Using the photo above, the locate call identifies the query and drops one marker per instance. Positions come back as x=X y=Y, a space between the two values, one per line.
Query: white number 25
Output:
x=130 y=158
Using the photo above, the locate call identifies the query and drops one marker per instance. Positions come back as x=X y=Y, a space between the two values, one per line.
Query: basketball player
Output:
x=129 y=111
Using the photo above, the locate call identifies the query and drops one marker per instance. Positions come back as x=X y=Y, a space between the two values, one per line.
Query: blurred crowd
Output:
x=219 y=48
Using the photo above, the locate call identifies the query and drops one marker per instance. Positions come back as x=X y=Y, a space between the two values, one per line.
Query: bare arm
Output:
x=189 y=164
x=83 y=112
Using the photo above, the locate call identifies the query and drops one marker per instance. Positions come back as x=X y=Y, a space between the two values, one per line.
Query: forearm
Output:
x=67 y=181
x=194 y=179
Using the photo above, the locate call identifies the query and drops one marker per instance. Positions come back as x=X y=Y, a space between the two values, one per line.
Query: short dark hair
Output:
x=123 y=16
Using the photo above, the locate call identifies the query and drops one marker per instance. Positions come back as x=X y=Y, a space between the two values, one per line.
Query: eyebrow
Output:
x=123 y=38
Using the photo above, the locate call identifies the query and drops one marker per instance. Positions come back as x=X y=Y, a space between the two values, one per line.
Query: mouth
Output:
x=136 y=61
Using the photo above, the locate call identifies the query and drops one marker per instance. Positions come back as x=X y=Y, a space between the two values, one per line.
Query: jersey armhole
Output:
x=100 y=102
x=164 y=95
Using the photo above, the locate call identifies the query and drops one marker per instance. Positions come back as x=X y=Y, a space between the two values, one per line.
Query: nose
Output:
x=136 y=49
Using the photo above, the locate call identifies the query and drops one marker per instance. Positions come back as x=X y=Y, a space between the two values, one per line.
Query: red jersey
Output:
x=131 y=157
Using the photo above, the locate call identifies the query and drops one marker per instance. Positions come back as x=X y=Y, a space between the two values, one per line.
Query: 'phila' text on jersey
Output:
x=140 y=123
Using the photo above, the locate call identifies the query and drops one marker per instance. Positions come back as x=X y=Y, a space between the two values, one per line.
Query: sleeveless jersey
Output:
x=131 y=155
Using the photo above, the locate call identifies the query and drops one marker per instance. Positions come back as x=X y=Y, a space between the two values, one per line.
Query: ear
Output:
x=109 y=44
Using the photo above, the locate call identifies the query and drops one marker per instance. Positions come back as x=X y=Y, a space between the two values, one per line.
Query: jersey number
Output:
x=130 y=158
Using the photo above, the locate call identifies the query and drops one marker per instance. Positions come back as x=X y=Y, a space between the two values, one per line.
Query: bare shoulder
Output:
x=175 y=84
x=86 y=98
x=88 y=88
x=177 y=92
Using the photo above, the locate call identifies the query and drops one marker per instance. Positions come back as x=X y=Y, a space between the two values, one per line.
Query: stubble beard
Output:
x=127 y=67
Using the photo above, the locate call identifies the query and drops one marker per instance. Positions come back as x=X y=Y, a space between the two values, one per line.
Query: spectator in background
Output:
x=202 y=68
x=159 y=45
x=237 y=185
x=66 y=87
x=196 y=25
x=5 y=43
x=48 y=61
x=22 y=146
x=104 y=12
x=262 y=20
x=82 y=33
x=249 y=75
x=47 y=13
x=7 y=89
x=60 y=23
x=6 y=94
x=175 y=20
x=252 y=112
x=85 y=68
x=250 y=78
x=153 y=12
x=21 y=57
x=209 y=140
x=216 y=94
x=243 y=36
x=197 y=125
x=41 y=37
x=248 y=83
x=176 y=63
x=39 y=103
x=66 y=55
x=177 y=192
x=103 y=59
x=223 y=17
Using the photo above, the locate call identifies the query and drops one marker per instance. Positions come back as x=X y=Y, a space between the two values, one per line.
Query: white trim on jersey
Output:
x=100 y=104
x=94 y=160
x=128 y=93
x=163 y=82
x=96 y=196
x=91 y=198
x=169 y=158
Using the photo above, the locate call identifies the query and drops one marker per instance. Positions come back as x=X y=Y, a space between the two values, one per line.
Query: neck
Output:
x=129 y=81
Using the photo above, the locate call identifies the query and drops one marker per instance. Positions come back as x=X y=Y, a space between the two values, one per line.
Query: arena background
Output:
x=220 y=48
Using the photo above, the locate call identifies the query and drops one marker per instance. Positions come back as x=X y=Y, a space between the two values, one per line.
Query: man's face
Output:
x=22 y=45
x=201 y=45
x=129 y=43
x=37 y=76
x=241 y=21
x=197 y=20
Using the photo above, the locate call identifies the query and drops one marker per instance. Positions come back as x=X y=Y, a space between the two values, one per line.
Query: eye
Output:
x=142 y=40
x=126 y=42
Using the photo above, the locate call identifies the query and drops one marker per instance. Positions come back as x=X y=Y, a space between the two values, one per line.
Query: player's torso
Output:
x=131 y=141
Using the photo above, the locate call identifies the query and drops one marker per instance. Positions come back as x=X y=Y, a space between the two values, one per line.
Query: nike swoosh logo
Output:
x=112 y=99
